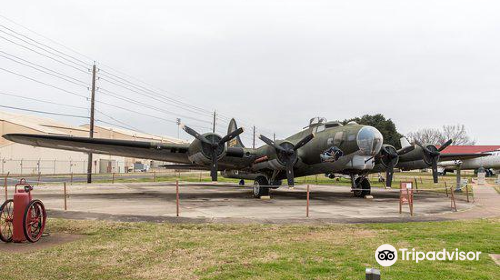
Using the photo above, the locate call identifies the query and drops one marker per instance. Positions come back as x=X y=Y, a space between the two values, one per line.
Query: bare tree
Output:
x=426 y=135
x=437 y=137
x=458 y=134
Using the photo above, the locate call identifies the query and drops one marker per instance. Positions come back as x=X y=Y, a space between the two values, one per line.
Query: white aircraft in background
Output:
x=491 y=164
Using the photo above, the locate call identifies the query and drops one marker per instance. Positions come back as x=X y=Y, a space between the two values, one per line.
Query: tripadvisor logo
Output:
x=387 y=255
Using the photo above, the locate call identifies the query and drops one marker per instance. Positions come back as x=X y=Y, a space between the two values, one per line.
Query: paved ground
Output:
x=229 y=203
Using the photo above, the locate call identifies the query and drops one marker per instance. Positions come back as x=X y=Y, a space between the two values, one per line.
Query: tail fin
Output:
x=404 y=142
x=236 y=142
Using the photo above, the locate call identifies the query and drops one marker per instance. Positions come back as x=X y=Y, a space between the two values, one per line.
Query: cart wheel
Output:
x=34 y=220
x=6 y=219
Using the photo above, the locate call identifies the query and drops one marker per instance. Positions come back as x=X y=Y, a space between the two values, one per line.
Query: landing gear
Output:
x=489 y=172
x=276 y=184
x=361 y=186
x=260 y=187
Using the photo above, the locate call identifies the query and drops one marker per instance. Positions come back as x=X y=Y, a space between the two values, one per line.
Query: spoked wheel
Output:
x=34 y=221
x=6 y=220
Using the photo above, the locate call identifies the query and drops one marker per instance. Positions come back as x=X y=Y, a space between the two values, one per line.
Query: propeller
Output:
x=390 y=157
x=287 y=153
x=431 y=156
x=213 y=144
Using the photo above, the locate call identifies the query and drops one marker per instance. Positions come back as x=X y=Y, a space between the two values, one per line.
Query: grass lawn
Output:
x=111 y=250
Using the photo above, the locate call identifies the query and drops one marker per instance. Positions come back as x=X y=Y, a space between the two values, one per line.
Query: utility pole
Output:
x=274 y=137
x=178 y=127
x=92 y=111
x=215 y=118
x=253 y=137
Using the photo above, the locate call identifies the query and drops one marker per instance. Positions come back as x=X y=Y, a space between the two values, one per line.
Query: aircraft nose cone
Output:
x=369 y=140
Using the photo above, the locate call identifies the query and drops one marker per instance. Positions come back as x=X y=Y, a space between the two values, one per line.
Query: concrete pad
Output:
x=234 y=203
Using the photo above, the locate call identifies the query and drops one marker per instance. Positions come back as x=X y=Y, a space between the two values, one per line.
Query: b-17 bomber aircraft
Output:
x=320 y=148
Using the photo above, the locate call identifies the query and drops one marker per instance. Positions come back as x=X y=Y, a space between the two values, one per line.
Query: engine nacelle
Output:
x=201 y=153
x=384 y=157
x=276 y=159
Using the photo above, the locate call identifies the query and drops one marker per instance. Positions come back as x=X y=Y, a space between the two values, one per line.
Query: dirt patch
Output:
x=45 y=242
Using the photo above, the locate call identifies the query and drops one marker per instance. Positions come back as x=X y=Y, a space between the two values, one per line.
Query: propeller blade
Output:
x=422 y=146
x=304 y=141
x=289 y=173
x=271 y=143
x=389 y=173
x=213 y=168
x=405 y=150
x=445 y=145
x=231 y=135
x=434 y=169
x=195 y=134
x=432 y=153
x=370 y=158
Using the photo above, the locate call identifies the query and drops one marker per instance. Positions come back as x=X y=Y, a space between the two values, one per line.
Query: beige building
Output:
x=21 y=159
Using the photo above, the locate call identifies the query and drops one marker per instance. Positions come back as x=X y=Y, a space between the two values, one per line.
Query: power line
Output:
x=43 y=71
x=45 y=37
x=136 y=102
x=43 y=101
x=125 y=84
x=41 y=48
x=118 y=81
x=44 y=112
x=33 y=40
x=43 y=83
x=42 y=54
x=125 y=125
x=158 y=89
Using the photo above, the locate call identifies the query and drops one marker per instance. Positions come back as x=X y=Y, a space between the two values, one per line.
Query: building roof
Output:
x=49 y=126
x=43 y=125
x=142 y=136
x=470 y=149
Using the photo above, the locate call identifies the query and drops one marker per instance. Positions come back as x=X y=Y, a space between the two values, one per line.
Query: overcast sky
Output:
x=276 y=64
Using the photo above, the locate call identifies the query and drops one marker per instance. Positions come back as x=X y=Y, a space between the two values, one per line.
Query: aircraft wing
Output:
x=458 y=156
x=136 y=149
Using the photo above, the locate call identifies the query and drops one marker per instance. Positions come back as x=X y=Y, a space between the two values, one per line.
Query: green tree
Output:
x=385 y=126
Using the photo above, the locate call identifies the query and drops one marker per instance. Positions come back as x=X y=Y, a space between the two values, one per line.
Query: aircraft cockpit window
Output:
x=317 y=120
x=369 y=140
x=320 y=128
x=332 y=124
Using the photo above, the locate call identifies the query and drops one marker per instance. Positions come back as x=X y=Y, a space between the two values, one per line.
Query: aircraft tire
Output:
x=489 y=173
x=260 y=187
x=276 y=184
x=364 y=185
